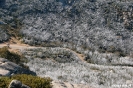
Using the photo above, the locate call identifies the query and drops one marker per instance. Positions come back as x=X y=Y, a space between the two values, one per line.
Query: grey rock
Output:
x=17 y=84
x=8 y=68
x=24 y=86
x=4 y=72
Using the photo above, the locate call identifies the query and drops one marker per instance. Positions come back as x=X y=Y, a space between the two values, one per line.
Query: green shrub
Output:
x=13 y=57
x=29 y=80
x=5 y=53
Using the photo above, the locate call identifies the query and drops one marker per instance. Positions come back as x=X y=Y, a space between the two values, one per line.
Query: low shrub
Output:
x=29 y=80
x=5 y=53
x=11 y=56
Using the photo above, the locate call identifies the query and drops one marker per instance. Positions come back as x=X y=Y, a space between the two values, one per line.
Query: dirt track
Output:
x=24 y=46
x=16 y=46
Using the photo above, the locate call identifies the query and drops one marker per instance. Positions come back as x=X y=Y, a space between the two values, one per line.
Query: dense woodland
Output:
x=91 y=24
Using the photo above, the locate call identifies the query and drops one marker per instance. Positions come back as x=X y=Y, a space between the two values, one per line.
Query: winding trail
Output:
x=55 y=84
x=17 y=46
x=25 y=46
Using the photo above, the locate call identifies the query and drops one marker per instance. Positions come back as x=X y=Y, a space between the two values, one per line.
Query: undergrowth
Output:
x=13 y=57
x=29 y=80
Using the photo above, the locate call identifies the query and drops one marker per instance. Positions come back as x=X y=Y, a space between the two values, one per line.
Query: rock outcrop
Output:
x=17 y=84
x=8 y=68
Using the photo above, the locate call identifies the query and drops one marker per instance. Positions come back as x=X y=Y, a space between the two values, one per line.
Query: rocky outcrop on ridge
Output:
x=8 y=68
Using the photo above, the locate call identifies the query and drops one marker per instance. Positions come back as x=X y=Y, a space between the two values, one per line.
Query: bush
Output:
x=29 y=80
x=13 y=57
x=88 y=59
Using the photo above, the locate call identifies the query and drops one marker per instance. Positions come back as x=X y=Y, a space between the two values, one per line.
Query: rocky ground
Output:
x=8 y=68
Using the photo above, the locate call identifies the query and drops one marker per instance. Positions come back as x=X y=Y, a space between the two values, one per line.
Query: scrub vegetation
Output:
x=31 y=81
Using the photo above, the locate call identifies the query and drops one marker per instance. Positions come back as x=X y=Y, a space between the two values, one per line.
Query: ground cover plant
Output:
x=29 y=80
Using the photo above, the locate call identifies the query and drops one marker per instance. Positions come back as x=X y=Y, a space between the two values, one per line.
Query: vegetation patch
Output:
x=12 y=28
x=29 y=80
x=56 y=54
x=13 y=57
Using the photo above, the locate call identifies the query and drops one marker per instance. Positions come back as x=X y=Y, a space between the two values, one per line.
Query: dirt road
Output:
x=16 y=46
x=24 y=46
